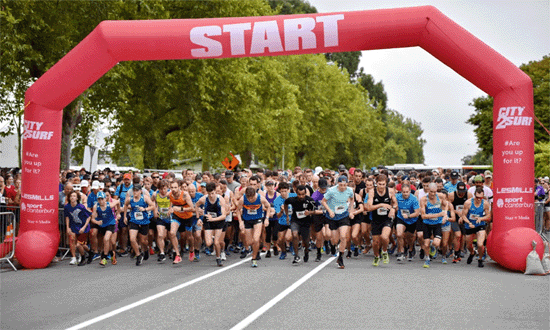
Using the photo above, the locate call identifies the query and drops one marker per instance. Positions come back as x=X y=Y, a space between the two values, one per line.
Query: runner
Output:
x=271 y=230
x=433 y=208
x=196 y=244
x=367 y=216
x=302 y=209
x=181 y=209
x=475 y=217
x=320 y=224
x=214 y=218
x=120 y=195
x=283 y=227
x=250 y=209
x=457 y=199
x=162 y=211
x=382 y=203
x=77 y=220
x=138 y=206
x=407 y=215
x=104 y=217
x=338 y=202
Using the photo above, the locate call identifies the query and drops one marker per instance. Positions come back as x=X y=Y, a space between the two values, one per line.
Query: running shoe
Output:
x=456 y=260
x=191 y=256
x=449 y=253
x=392 y=249
x=139 y=259
x=197 y=257
x=411 y=255
x=73 y=261
x=244 y=254
x=422 y=254
x=123 y=254
x=470 y=258
x=227 y=253
x=83 y=261
x=268 y=254
x=264 y=248
x=413 y=250
x=151 y=251
x=103 y=262
x=146 y=255
x=348 y=255
x=319 y=256
x=385 y=257
x=306 y=257
x=356 y=252
x=162 y=257
x=275 y=250
x=480 y=263
x=219 y=262
x=223 y=256
x=96 y=256
x=376 y=261
x=426 y=263
x=340 y=263
x=177 y=260
x=296 y=260
x=292 y=250
x=444 y=260
x=90 y=257
x=113 y=259
x=400 y=257
x=254 y=263
x=282 y=256
x=231 y=248
x=433 y=251
x=207 y=252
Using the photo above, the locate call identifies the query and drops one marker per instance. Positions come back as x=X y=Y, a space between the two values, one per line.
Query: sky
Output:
x=422 y=88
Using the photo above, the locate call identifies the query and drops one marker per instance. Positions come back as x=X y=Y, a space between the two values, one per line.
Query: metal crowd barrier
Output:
x=539 y=219
x=8 y=227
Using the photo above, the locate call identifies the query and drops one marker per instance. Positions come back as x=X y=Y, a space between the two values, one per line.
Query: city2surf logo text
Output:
x=32 y=131
x=512 y=116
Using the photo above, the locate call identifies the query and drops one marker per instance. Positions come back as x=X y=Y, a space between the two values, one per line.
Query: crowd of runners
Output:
x=344 y=213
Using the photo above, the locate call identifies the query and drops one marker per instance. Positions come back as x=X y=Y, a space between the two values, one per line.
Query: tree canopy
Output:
x=310 y=109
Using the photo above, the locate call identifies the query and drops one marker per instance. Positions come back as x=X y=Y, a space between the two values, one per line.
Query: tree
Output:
x=482 y=119
x=289 y=7
x=542 y=159
x=479 y=158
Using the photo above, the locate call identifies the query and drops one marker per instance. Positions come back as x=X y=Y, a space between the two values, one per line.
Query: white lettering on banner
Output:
x=37 y=197
x=265 y=34
x=515 y=190
x=510 y=203
x=32 y=131
x=512 y=116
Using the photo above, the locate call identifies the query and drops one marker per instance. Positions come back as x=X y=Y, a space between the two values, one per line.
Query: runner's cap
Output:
x=137 y=187
x=127 y=176
x=84 y=183
x=100 y=194
x=454 y=175
x=95 y=184
x=461 y=187
x=342 y=178
x=228 y=174
x=323 y=183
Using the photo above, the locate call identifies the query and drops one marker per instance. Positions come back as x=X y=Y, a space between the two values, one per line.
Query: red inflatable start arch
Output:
x=426 y=27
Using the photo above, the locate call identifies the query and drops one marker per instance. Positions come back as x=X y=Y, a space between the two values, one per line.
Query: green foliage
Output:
x=479 y=158
x=161 y=112
x=542 y=159
x=482 y=119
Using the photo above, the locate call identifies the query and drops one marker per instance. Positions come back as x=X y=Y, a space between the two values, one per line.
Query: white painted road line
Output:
x=246 y=322
x=153 y=297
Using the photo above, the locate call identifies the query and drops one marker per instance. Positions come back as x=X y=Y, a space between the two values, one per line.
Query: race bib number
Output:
x=474 y=217
x=138 y=215
x=3 y=200
x=301 y=214
x=406 y=212
x=340 y=209
x=321 y=207
x=460 y=207
x=213 y=214
x=382 y=211
x=163 y=212
x=252 y=212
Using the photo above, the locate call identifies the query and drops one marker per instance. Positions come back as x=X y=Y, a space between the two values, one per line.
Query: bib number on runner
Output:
x=301 y=214
x=252 y=212
x=340 y=209
x=382 y=211
x=213 y=214
x=138 y=215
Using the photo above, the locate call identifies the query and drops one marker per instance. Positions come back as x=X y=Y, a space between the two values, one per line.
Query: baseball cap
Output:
x=95 y=184
x=84 y=183
x=137 y=187
x=342 y=178
x=461 y=187
x=203 y=184
x=269 y=183
x=454 y=175
x=100 y=194
x=352 y=170
x=127 y=176
x=318 y=170
x=478 y=178
x=488 y=173
x=323 y=183
x=435 y=170
x=117 y=173
x=228 y=174
x=341 y=167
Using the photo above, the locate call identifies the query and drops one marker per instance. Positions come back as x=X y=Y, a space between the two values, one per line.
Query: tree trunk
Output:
x=71 y=118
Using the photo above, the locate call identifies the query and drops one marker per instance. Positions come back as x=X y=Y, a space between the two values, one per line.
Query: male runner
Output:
x=139 y=206
x=407 y=215
x=476 y=215
x=181 y=209
x=214 y=218
x=433 y=208
x=302 y=209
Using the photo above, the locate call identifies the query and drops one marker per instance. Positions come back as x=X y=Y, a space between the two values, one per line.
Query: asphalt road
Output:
x=393 y=296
